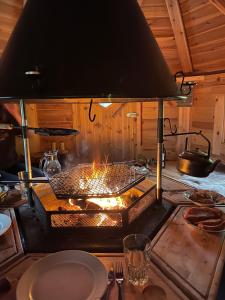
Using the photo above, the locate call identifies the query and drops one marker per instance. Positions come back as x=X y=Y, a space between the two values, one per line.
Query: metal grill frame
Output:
x=58 y=180
x=45 y=216
x=91 y=223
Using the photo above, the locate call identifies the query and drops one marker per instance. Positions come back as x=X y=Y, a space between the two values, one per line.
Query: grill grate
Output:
x=86 y=181
x=86 y=220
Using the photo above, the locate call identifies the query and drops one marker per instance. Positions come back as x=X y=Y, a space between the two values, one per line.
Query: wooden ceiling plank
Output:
x=192 y=5
x=151 y=12
x=210 y=38
x=219 y=4
x=179 y=34
x=207 y=26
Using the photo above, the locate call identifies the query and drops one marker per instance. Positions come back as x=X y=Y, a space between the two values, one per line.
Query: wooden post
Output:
x=218 y=128
x=139 y=127
x=183 y=126
x=159 y=151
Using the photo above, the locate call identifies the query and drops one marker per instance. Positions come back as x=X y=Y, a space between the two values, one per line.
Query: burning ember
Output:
x=104 y=203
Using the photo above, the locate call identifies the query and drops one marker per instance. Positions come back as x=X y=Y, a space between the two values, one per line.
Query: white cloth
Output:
x=214 y=182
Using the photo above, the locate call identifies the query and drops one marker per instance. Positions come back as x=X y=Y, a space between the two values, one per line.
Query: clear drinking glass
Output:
x=137 y=257
x=22 y=185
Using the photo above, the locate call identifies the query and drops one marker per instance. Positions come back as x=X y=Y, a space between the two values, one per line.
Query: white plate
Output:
x=67 y=275
x=5 y=223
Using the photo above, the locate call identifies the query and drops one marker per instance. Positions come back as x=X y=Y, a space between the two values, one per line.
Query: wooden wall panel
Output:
x=207 y=111
x=9 y=13
x=54 y=115
x=111 y=135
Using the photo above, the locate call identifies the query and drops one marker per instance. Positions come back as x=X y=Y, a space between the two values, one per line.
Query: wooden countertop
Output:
x=193 y=259
x=159 y=283
x=186 y=263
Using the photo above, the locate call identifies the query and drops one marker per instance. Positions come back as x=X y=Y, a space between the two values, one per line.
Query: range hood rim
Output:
x=97 y=100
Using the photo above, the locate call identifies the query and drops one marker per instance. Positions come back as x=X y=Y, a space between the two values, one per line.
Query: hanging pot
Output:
x=195 y=162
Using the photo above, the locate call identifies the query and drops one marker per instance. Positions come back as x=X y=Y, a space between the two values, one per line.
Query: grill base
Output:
x=36 y=239
x=59 y=214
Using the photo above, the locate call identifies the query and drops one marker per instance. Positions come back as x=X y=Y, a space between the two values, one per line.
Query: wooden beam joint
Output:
x=219 y=4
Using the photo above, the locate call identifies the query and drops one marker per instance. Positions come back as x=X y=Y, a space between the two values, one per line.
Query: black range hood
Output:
x=84 y=49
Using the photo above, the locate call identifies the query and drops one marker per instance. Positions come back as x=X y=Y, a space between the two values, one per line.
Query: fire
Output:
x=97 y=172
x=109 y=203
x=104 y=217
x=99 y=176
x=96 y=183
x=71 y=202
x=97 y=179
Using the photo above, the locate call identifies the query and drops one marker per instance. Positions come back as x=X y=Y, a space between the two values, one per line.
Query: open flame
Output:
x=97 y=172
x=109 y=203
x=99 y=175
x=103 y=218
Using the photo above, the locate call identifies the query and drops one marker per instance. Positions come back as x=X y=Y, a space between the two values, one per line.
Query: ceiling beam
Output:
x=140 y=2
x=179 y=34
x=219 y=4
x=204 y=73
x=218 y=78
x=176 y=20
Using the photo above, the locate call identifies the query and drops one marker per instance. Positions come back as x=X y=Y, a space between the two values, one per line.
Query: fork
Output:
x=119 y=279
x=110 y=283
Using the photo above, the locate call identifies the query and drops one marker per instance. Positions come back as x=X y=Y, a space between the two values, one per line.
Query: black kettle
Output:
x=195 y=162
